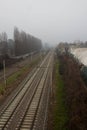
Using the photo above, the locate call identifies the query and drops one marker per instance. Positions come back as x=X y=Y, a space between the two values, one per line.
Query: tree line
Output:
x=22 y=43
x=25 y=43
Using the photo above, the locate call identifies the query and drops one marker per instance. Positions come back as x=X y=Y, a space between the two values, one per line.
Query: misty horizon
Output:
x=50 y=21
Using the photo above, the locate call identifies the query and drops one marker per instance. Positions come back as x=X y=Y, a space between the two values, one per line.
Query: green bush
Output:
x=84 y=74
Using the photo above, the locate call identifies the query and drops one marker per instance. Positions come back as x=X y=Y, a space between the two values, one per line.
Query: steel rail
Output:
x=32 y=89
x=21 y=86
x=28 y=91
x=29 y=124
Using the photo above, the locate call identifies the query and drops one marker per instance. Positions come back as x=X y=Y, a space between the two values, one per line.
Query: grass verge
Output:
x=14 y=77
x=60 y=109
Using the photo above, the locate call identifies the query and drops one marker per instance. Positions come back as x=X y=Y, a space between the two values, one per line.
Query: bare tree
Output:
x=16 y=34
x=25 y=43
x=4 y=37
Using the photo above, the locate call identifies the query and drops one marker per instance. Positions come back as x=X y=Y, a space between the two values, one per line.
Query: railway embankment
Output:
x=75 y=91
x=68 y=104
x=58 y=112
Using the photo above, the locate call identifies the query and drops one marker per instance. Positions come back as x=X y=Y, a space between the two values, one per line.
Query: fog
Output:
x=52 y=21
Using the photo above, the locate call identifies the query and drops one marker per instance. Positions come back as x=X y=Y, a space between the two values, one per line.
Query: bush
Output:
x=84 y=74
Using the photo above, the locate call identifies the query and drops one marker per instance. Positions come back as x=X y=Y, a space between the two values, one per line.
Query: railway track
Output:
x=22 y=110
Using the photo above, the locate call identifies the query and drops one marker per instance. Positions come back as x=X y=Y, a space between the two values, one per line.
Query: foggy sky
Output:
x=50 y=20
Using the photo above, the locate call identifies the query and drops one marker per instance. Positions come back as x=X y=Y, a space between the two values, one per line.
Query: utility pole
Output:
x=41 y=55
x=31 y=56
x=4 y=72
